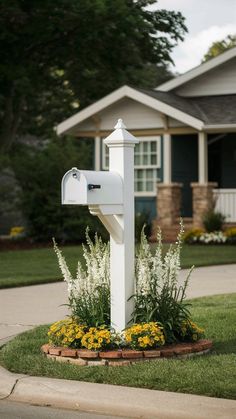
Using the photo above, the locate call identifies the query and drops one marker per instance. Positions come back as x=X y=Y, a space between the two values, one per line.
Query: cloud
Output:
x=190 y=53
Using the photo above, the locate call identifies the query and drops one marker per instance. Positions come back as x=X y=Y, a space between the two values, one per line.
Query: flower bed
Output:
x=160 y=315
x=199 y=236
x=83 y=357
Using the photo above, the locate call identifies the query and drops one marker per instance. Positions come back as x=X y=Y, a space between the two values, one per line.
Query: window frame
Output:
x=143 y=139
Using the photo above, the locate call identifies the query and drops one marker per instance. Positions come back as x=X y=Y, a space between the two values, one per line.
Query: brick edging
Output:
x=124 y=357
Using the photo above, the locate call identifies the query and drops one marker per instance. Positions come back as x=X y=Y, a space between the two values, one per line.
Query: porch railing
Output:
x=226 y=203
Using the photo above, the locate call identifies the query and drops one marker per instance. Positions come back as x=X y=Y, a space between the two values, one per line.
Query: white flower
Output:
x=97 y=272
x=214 y=237
x=152 y=272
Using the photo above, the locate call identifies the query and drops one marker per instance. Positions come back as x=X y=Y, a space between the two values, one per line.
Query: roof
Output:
x=209 y=109
x=197 y=71
x=146 y=97
x=197 y=112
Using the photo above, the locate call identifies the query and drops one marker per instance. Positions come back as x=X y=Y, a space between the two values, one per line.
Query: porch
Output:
x=199 y=173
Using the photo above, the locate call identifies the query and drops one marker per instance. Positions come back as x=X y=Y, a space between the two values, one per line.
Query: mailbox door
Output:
x=74 y=189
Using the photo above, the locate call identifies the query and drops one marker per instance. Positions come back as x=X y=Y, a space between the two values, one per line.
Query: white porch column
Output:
x=202 y=158
x=97 y=148
x=167 y=166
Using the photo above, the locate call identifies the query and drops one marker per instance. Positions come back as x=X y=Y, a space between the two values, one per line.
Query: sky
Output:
x=207 y=21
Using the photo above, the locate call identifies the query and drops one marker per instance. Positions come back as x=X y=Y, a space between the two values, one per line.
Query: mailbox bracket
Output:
x=109 y=220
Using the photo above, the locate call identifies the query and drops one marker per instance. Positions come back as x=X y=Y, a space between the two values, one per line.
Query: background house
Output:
x=187 y=133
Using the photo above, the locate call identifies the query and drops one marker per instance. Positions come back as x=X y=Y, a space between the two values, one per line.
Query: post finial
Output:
x=120 y=124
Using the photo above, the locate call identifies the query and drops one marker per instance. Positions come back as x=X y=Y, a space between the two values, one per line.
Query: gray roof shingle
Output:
x=212 y=110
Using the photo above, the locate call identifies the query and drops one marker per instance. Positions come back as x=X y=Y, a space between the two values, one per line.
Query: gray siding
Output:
x=219 y=81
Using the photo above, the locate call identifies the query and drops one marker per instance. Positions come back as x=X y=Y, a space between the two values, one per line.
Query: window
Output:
x=147 y=163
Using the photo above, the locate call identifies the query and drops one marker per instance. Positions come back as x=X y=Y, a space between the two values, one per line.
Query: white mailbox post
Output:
x=110 y=196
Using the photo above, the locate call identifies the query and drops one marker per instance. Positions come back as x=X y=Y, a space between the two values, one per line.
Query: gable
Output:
x=198 y=71
x=136 y=116
x=218 y=81
x=138 y=106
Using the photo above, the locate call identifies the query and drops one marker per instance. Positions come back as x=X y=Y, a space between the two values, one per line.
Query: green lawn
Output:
x=27 y=267
x=211 y=375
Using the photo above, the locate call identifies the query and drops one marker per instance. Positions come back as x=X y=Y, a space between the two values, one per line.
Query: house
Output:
x=187 y=131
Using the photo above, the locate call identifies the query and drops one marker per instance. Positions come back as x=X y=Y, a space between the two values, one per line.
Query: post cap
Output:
x=120 y=124
x=120 y=136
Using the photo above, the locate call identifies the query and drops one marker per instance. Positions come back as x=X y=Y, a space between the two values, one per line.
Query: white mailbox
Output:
x=85 y=187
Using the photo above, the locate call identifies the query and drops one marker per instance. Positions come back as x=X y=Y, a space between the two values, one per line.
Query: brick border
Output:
x=125 y=357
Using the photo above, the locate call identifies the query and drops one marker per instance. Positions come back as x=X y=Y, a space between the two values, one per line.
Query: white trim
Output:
x=202 y=158
x=157 y=140
x=167 y=157
x=145 y=194
x=220 y=126
x=226 y=203
x=97 y=152
x=197 y=71
x=104 y=155
x=126 y=91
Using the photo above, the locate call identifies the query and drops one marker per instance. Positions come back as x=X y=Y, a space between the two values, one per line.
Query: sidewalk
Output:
x=24 y=308
x=112 y=400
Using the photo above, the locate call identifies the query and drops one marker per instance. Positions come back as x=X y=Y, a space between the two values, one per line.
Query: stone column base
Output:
x=169 y=197
x=203 y=200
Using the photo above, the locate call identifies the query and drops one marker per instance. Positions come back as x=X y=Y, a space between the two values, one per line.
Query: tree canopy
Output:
x=220 y=46
x=58 y=55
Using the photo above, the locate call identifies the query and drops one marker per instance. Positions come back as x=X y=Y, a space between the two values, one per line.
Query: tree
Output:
x=39 y=172
x=57 y=55
x=220 y=46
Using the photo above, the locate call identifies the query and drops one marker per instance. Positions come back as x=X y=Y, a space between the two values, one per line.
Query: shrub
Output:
x=39 y=173
x=159 y=307
x=67 y=333
x=96 y=338
x=89 y=291
x=230 y=234
x=158 y=297
x=17 y=233
x=190 y=332
x=144 y=336
x=142 y=221
x=216 y=237
x=192 y=236
x=213 y=221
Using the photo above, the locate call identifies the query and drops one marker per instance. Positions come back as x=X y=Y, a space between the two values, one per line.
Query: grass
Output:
x=38 y=266
x=211 y=375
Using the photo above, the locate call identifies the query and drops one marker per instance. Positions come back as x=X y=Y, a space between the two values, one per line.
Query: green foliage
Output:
x=66 y=333
x=230 y=233
x=213 y=375
x=142 y=221
x=191 y=236
x=220 y=46
x=58 y=55
x=158 y=297
x=144 y=336
x=213 y=221
x=39 y=172
x=89 y=290
x=37 y=266
x=190 y=332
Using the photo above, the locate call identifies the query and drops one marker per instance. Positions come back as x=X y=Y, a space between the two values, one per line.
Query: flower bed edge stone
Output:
x=126 y=356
